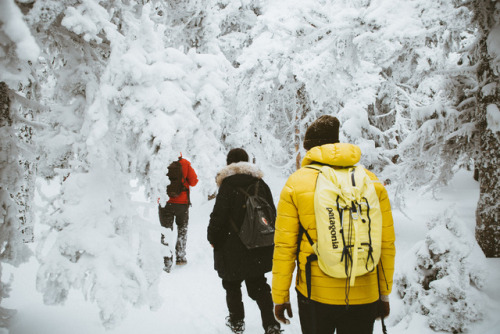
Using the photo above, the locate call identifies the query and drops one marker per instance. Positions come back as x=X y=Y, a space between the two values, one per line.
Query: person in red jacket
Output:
x=177 y=208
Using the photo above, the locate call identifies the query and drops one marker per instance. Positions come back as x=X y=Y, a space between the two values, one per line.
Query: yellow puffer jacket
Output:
x=297 y=204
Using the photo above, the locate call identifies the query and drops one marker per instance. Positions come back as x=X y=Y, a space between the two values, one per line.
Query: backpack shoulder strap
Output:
x=256 y=192
x=319 y=166
x=304 y=231
x=243 y=191
x=310 y=258
x=314 y=166
x=247 y=194
x=247 y=191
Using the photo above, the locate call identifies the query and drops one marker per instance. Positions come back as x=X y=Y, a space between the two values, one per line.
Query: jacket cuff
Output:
x=279 y=300
x=384 y=298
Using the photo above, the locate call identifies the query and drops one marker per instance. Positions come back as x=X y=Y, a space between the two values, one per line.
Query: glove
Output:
x=279 y=312
x=384 y=309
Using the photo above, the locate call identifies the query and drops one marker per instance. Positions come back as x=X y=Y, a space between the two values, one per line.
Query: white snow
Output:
x=15 y=28
x=493 y=43
x=87 y=19
x=493 y=117
x=193 y=300
x=133 y=92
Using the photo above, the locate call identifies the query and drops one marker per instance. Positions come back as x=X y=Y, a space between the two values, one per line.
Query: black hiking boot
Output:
x=273 y=329
x=236 y=326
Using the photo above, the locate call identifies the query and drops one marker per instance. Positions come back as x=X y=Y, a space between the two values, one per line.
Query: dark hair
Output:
x=236 y=155
x=324 y=130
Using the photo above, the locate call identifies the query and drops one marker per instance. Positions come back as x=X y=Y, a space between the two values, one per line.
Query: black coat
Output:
x=232 y=260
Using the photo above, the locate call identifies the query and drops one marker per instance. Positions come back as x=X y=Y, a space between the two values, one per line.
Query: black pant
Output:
x=181 y=214
x=319 y=318
x=258 y=290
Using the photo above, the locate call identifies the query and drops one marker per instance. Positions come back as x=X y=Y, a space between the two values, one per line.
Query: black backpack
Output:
x=257 y=229
x=176 y=186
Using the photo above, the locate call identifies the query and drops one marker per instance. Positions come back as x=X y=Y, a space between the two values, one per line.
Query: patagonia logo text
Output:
x=331 y=227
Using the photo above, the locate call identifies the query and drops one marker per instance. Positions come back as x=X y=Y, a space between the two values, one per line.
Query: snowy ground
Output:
x=194 y=300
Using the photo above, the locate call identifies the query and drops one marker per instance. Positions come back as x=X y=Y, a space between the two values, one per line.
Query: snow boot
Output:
x=181 y=262
x=273 y=329
x=236 y=326
x=167 y=261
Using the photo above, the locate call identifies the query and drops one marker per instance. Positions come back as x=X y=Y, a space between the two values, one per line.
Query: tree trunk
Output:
x=301 y=111
x=25 y=195
x=488 y=207
x=5 y=119
x=488 y=159
x=298 y=157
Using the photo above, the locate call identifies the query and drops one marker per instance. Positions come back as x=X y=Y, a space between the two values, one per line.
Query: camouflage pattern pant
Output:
x=179 y=213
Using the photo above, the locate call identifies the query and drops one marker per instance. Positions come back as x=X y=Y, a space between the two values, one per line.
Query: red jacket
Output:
x=190 y=180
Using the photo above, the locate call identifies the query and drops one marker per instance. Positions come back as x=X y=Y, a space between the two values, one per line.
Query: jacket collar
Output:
x=241 y=167
x=339 y=154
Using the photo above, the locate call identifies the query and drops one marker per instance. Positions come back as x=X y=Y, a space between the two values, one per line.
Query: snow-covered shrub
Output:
x=443 y=281
x=99 y=244
x=142 y=105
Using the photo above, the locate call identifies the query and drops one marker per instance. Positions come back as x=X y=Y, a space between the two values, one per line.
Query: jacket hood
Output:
x=241 y=167
x=339 y=154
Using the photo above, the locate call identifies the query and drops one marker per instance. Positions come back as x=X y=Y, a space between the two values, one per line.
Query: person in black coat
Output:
x=232 y=260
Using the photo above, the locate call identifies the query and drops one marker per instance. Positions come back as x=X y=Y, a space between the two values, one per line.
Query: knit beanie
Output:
x=236 y=155
x=324 y=130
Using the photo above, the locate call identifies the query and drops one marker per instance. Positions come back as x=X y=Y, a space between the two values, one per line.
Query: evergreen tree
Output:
x=18 y=49
x=314 y=58
x=469 y=134
x=235 y=20
x=485 y=58
x=123 y=104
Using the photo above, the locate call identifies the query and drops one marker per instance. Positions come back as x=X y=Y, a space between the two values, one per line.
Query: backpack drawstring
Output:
x=369 y=244
x=348 y=248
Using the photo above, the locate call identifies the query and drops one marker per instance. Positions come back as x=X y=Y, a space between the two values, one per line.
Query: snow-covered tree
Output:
x=187 y=23
x=17 y=50
x=124 y=105
x=485 y=59
x=235 y=20
x=443 y=281
x=13 y=249
x=413 y=112
x=455 y=120
x=320 y=57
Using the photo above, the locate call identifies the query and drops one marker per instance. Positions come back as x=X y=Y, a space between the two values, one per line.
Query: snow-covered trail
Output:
x=193 y=297
x=194 y=300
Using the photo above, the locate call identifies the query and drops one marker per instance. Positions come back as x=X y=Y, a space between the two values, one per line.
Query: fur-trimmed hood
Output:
x=241 y=167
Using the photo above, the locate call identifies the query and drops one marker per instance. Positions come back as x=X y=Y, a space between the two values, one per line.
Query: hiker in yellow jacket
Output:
x=326 y=310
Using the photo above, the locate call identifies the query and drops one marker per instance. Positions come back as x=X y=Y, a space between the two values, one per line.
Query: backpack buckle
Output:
x=354 y=211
